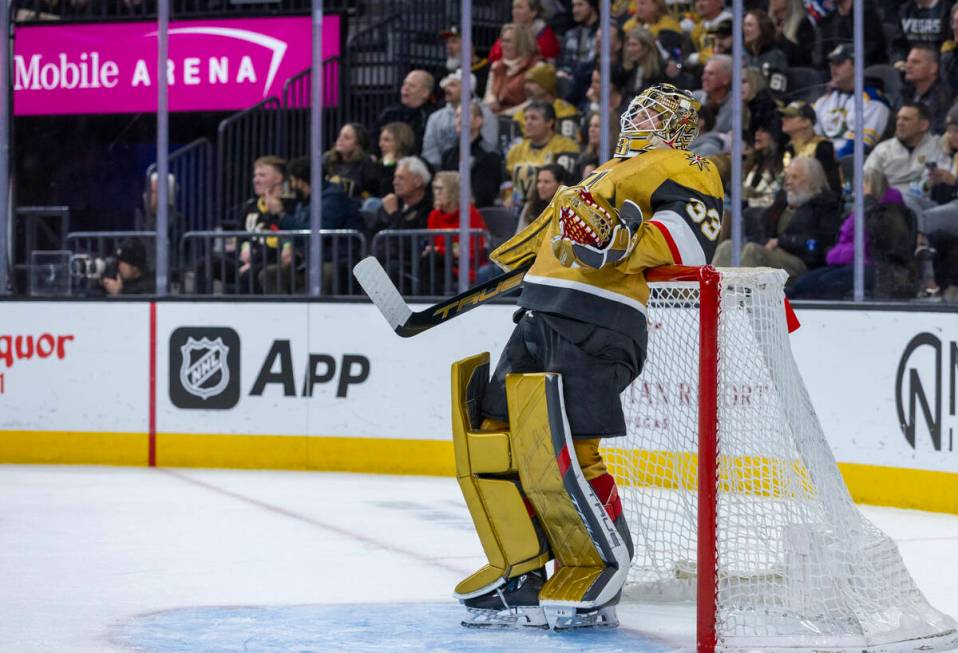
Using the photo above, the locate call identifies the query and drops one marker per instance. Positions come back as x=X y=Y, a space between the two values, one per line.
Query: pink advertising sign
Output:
x=214 y=65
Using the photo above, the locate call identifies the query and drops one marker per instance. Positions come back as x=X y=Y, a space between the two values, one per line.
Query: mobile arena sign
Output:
x=213 y=65
x=329 y=386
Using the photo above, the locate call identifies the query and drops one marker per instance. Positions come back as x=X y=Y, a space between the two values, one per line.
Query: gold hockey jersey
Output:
x=681 y=197
x=524 y=160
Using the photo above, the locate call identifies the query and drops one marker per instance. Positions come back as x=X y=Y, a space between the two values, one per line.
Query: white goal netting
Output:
x=797 y=564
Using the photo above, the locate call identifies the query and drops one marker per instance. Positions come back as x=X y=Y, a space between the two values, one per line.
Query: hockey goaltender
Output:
x=579 y=341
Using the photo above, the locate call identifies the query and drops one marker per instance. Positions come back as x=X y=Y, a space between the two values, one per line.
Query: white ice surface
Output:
x=113 y=559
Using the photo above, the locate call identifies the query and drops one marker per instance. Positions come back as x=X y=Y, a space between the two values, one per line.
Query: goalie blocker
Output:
x=531 y=500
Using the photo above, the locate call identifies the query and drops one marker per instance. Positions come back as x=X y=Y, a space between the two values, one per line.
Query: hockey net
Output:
x=787 y=560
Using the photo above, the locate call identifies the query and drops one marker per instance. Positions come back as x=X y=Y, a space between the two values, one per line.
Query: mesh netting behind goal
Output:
x=796 y=564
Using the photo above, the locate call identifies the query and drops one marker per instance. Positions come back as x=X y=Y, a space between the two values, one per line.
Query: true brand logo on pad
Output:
x=204 y=367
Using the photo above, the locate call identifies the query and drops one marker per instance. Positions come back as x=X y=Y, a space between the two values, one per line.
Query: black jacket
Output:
x=415 y=216
x=812 y=228
x=920 y=26
x=837 y=29
x=415 y=118
x=486 y=169
x=937 y=99
x=359 y=177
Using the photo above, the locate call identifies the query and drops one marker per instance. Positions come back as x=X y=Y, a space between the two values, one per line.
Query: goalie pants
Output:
x=596 y=365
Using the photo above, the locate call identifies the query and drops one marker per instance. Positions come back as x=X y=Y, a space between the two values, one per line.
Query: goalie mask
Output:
x=662 y=115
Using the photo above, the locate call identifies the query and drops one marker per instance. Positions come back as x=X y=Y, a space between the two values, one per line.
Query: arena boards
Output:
x=328 y=386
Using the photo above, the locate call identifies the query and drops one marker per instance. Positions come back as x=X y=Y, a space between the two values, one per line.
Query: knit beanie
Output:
x=543 y=74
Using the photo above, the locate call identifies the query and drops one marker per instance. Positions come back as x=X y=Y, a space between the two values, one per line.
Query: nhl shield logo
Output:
x=204 y=368
x=204 y=372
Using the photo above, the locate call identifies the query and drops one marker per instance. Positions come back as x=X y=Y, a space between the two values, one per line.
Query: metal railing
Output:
x=192 y=169
x=36 y=228
x=296 y=109
x=267 y=263
x=424 y=262
x=241 y=139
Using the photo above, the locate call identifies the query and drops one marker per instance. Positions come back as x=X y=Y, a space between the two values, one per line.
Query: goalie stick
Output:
x=407 y=322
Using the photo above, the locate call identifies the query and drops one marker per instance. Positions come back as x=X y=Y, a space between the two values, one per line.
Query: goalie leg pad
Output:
x=581 y=533
x=513 y=543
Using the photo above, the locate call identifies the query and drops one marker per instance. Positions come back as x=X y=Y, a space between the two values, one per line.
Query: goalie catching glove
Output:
x=593 y=235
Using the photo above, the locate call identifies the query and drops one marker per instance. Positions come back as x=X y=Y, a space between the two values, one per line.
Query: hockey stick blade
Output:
x=407 y=322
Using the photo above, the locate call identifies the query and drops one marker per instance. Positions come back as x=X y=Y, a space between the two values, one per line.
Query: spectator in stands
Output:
x=709 y=15
x=529 y=14
x=943 y=180
x=396 y=141
x=920 y=22
x=949 y=53
x=905 y=159
x=505 y=90
x=415 y=105
x=836 y=109
x=793 y=31
x=349 y=164
x=486 y=162
x=923 y=85
x=722 y=37
x=938 y=225
x=710 y=142
x=589 y=157
x=441 y=126
x=758 y=32
x=453 y=41
x=177 y=223
x=132 y=273
x=798 y=124
x=408 y=206
x=548 y=180
x=618 y=103
x=716 y=90
x=641 y=62
x=540 y=146
x=654 y=16
x=261 y=213
x=338 y=212
x=761 y=107
x=837 y=28
x=762 y=169
x=577 y=54
x=801 y=224
x=888 y=255
x=445 y=215
x=541 y=87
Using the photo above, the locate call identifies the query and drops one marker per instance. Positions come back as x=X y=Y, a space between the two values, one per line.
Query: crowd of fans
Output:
x=534 y=125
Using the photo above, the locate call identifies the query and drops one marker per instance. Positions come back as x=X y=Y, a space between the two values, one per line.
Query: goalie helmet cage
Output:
x=731 y=491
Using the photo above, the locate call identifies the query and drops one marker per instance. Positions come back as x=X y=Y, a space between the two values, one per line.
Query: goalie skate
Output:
x=530 y=616
x=563 y=618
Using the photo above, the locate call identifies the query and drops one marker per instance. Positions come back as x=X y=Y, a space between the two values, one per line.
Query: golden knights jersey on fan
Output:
x=654 y=203
x=525 y=158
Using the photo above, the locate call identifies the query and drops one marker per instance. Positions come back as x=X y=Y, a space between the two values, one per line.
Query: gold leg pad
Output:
x=570 y=584
x=509 y=537
x=580 y=534
x=542 y=481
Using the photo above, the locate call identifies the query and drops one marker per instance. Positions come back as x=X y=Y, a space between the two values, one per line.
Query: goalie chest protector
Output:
x=681 y=197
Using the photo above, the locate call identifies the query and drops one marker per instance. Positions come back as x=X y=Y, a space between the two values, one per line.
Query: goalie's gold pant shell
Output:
x=489 y=466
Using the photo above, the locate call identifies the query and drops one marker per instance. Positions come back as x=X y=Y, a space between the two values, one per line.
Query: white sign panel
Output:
x=883 y=384
x=310 y=369
x=74 y=366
